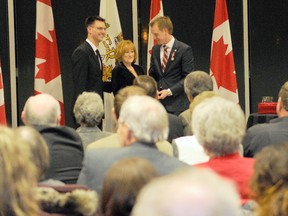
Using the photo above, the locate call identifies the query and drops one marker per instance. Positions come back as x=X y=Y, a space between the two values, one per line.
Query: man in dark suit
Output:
x=86 y=59
x=171 y=62
x=65 y=146
x=138 y=134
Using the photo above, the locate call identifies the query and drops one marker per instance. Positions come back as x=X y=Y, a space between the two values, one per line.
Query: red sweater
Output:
x=236 y=168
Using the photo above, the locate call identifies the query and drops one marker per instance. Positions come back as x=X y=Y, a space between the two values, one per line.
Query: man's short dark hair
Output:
x=91 y=19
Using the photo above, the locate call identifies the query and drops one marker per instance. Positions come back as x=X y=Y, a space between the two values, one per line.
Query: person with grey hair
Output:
x=194 y=84
x=219 y=126
x=188 y=193
x=88 y=111
x=42 y=112
x=138 y=134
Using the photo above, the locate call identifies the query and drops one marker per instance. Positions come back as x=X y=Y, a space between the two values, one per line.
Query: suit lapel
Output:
x=93 y=55
x=171 y=57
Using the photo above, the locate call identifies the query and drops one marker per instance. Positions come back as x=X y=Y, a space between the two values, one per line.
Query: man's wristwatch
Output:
x=169 y=92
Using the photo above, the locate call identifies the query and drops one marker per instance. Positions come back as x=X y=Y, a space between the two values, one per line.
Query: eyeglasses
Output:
x=99 y=28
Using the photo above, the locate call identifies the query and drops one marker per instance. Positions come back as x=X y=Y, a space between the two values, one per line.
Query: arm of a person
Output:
x=83 y=178
x=79 y=70
x=117 y=80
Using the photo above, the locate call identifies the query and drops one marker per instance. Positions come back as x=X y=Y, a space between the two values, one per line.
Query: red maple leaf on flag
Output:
x=222 y=66
x=48 y=51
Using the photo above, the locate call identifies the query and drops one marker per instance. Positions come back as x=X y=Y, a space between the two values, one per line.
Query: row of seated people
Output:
x=129 y=134
x=123 y=179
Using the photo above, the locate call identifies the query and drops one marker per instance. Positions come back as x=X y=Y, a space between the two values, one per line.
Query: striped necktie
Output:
x=165 y=58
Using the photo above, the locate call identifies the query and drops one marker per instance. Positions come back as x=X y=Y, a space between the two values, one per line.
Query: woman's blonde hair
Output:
x=123 y=47
x=18 y=177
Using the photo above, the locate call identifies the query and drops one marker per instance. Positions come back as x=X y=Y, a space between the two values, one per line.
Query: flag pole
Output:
x=246 y=58
x=135 y=26
x=12 y=64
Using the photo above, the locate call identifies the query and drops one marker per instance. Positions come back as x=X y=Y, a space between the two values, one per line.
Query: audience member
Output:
x=171 y=62
x=149 y=84
x=273 y=133
x=88 y=111
x=122 y=184
x=42 y=112
x=38 y=148
x=187 y=148
x=126 y=70
x=113 y=140
x=219 y=125
x=39 y=152
x=138 y=134
x=269 y=182
x=194 y=84
x=18 y=178
x=186 y=193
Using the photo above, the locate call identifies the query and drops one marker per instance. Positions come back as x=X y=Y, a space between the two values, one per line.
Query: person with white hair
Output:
x=191 y=192
x=219 y=126
x=142 y=122
x=42 y=112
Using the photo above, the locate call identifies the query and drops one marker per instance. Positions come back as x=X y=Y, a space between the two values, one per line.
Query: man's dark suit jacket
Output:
x=87 y=72
x=175 y=127
x=180 y=64
x=98 y=161
x=65 y=151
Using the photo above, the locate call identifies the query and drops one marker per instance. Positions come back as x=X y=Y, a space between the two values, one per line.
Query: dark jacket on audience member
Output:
x=261 y=135
x=175 y=127
x=98 y=161
x=66 y=153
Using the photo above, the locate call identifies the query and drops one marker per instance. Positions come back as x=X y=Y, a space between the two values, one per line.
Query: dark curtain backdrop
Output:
x=193 y=23
x=268 y=49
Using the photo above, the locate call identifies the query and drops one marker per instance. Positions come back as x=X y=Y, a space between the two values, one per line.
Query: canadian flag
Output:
x=47 y=65
x=3 y=120
x=156 y=10
x=109 y=11
x=222 y=67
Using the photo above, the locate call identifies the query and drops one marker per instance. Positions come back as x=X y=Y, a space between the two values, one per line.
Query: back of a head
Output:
x=148 y=83
x=188 y=192
x=269 y=181
x=197 y=82
x=41 y=109
x=88 y=109
x=37 y=147
x=18 y=176
x=122 y=183
x=219 y=125
x=200 y=98
x=283 y=93
x=123 y=94
x=146 y=118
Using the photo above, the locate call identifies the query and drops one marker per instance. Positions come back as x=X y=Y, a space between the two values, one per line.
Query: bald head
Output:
x=41 y=109
x=188 y=192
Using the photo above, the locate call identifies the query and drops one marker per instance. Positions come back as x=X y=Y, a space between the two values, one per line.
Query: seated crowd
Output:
x=155 y=164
